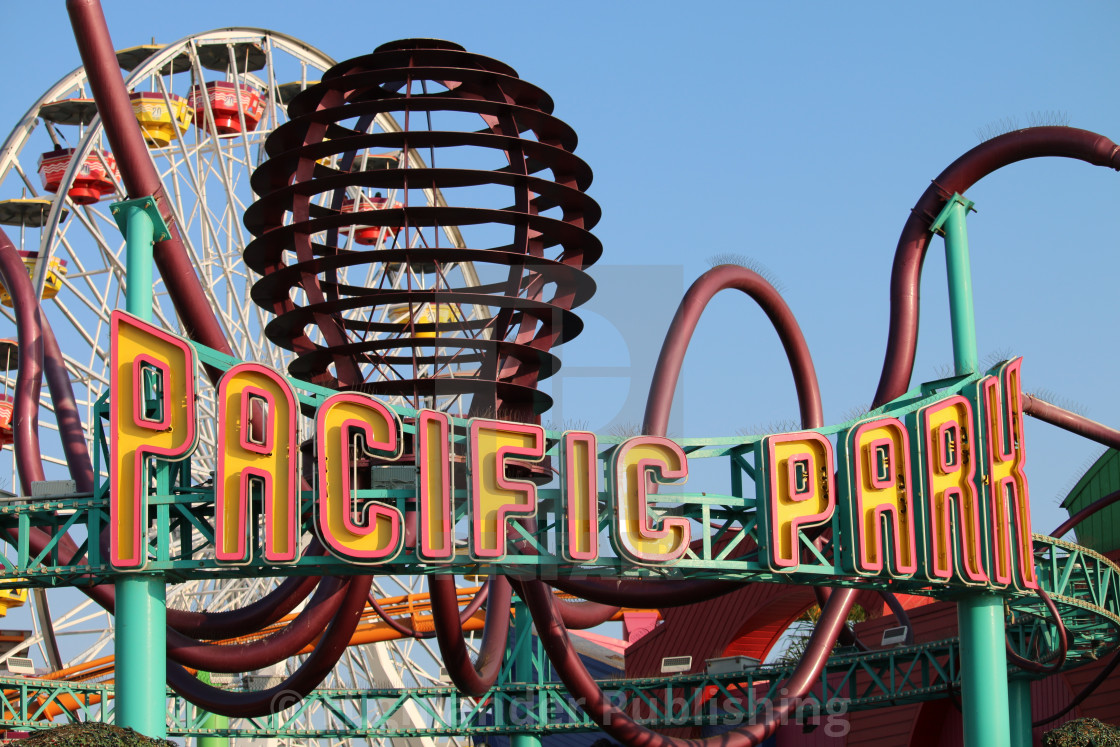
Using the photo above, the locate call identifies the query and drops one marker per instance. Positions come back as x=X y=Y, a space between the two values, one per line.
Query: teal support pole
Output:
x=140 y=636
x=959 y=272
x=980 y=619
x=141 y=648
x=1019 y=702
x=212 y=721
x=139 y=236
x=984 y=705
x=526 y=667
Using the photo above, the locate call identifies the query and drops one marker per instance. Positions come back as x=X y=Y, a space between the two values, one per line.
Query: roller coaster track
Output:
x=412 y=609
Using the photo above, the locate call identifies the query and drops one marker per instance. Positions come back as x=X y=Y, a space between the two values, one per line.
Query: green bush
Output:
x=90 y=735
x=1082 y=732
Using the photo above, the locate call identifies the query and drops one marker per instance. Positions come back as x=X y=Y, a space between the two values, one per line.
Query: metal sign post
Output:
x=980 y=615
x=141 y=599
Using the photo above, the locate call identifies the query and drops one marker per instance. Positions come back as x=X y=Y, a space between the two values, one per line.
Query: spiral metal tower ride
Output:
x=528 y=240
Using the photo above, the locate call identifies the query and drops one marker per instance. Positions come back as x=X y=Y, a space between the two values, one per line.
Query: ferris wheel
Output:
x=206 y=105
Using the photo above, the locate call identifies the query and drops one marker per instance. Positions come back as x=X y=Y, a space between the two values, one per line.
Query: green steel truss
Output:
x=1084 y=585
x=852 y=682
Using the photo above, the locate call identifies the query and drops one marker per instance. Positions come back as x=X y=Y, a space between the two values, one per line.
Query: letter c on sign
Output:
x=635 y=465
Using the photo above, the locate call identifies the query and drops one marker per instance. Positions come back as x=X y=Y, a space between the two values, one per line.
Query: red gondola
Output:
x=95 y=180
x=9 y=362
x=226 y=100
x=369 y=235
x=6 y=410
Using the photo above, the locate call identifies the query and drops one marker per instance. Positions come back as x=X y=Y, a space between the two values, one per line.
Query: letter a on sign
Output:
x=257 y=458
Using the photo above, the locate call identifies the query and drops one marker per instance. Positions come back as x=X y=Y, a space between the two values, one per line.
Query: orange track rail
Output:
x=413 y=610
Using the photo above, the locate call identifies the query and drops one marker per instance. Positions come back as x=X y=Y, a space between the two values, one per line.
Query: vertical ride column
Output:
x=526 y=660
x=980 y=618
x=140 y=637
x=1019 y=702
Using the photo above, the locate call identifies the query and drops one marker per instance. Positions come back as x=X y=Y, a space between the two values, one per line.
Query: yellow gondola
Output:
x=10 y=598
x=425 y=313
x=56 y=270
x=156 y=121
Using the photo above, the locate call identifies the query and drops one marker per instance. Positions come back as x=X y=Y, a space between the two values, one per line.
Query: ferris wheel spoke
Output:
x=28 y=185
x=85 y=217
x=89 y=338
x=272 y=114
x=88 y=376
x=171 y=173
x=88 y=278
x=208 y=287
x=214 y=143
x=108 y=275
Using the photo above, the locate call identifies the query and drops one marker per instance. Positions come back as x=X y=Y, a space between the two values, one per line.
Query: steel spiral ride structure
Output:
x=531 y=244
x=388 y=318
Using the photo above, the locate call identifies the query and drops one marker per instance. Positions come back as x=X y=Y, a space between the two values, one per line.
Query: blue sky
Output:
x=796 y=134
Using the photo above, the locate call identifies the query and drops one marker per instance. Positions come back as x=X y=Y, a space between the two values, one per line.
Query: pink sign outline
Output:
x=865 y=565
x=1005 y=390
x=646 y=470
x=795 y=526
x=953 y=497
x=591 y=476
x=447 y=489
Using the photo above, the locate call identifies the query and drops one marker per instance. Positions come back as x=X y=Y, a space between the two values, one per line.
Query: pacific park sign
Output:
x=932 y=493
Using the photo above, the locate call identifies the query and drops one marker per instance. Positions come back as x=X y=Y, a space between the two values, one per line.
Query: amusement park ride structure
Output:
x=208 y=177
x=406 y=279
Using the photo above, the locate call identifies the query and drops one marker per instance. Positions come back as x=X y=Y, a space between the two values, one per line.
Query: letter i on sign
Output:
x=579 y=466
x=436 y=540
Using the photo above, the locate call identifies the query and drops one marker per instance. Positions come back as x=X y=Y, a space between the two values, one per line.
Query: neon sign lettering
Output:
x=879 y=520
x=256 y=457
x=945 y=445
x=349 y=425
x=152 y=415
x=801 y=493
x=940 y=494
